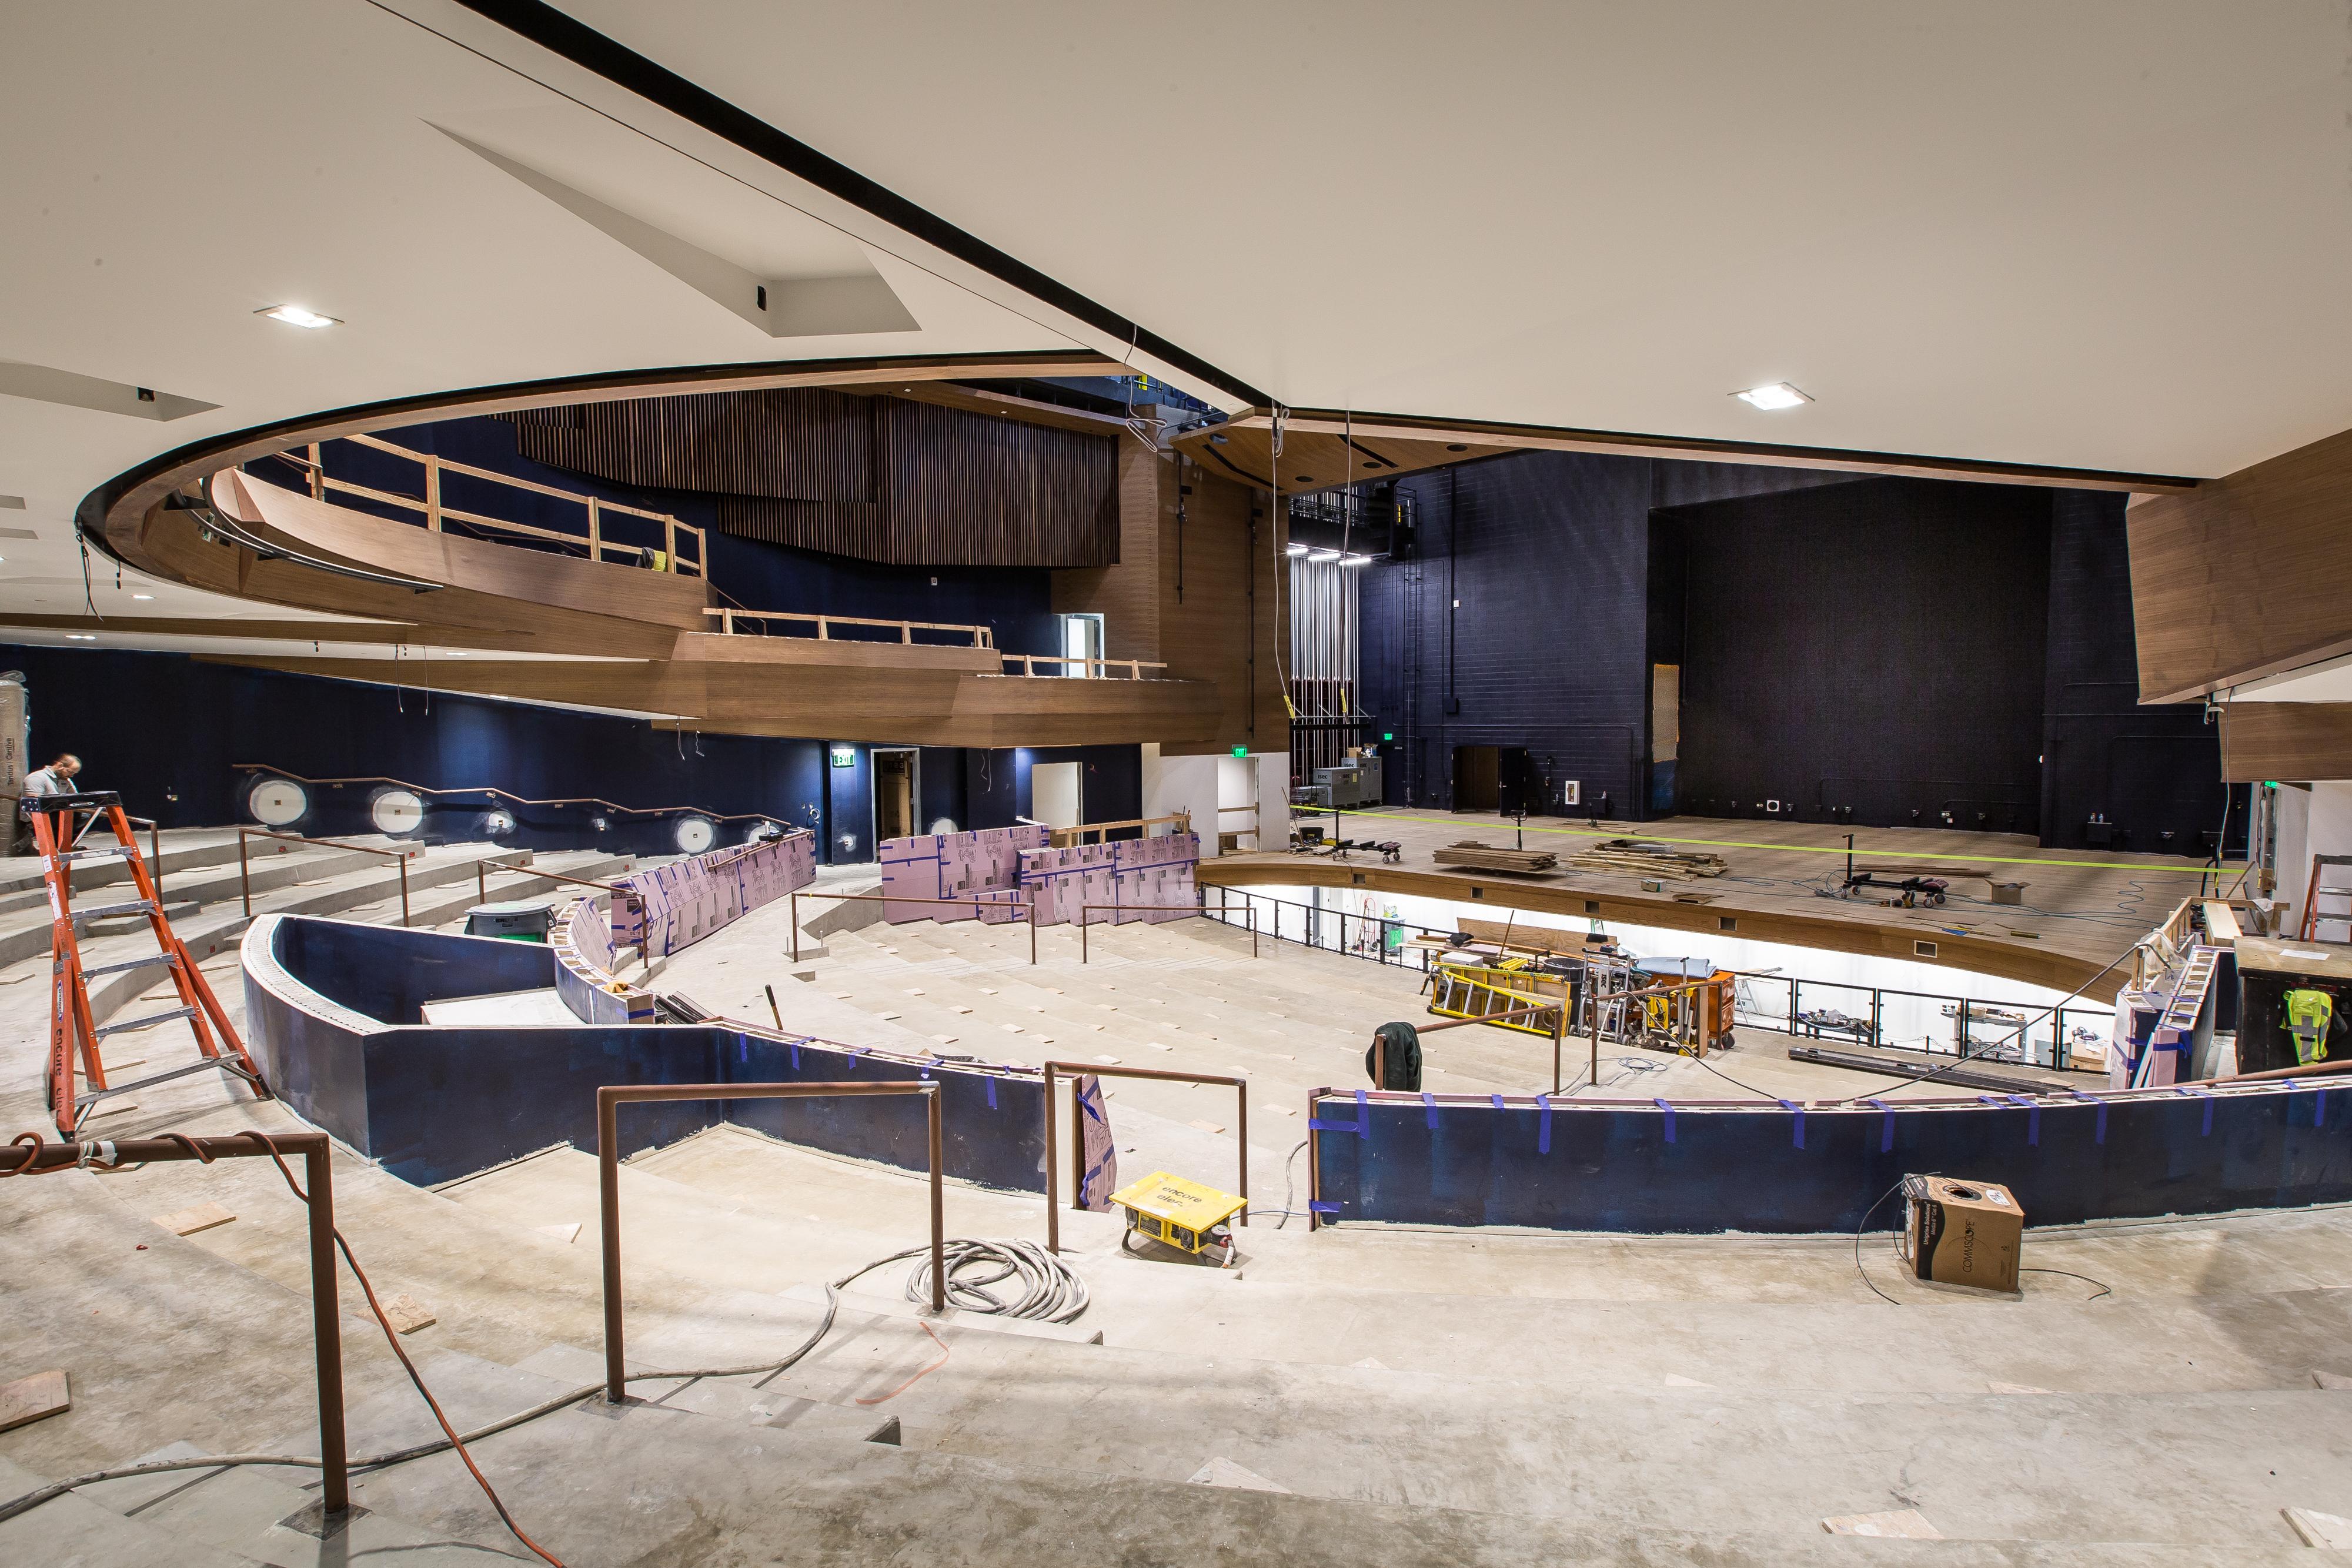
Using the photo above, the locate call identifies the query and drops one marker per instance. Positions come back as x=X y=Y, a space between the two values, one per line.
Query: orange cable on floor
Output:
x=894 y=1393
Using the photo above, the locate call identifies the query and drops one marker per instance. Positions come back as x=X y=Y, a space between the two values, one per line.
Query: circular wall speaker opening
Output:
x=497 y=824
x=696 y=834
x=396 y=812
x=277 y=802
x=944 y=825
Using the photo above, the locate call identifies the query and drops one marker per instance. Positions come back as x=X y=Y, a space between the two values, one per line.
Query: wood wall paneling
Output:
x=2291 y=742
x=2244 y=576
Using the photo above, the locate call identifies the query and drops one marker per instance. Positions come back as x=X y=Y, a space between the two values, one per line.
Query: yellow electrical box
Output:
x=1183 y=1214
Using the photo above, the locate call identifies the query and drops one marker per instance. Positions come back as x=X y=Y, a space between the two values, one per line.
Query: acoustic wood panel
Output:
x=906 y=481
x=2293 y=742
x=2246 y=575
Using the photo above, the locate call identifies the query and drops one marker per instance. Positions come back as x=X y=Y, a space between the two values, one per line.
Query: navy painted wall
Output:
x=1015 y=602
x=1546 y=555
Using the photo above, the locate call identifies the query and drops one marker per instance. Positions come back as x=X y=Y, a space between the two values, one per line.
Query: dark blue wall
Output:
x=1015 y=602
x=1614 y=1167
x=1546 y=555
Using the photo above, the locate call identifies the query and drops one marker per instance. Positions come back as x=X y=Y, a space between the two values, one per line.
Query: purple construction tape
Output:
x=1543 y=1126
x=1499 y=1103
x=1669 y=1110
x=1317 y=1205
x=2033 y=1116
x=2205 y=1131
x=1429 y=1103
x=1886 y=1126
x=1798 y=1135
x=2101 y=1136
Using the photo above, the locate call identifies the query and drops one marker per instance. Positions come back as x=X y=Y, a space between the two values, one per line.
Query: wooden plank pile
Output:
x=1639 y=857
x=1486 y=857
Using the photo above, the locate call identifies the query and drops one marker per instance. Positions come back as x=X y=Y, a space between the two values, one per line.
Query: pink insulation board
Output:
x=673 y=907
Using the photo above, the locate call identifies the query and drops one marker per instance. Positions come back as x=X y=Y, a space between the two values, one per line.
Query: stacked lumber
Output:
x=1486 y=857
x=1639 y=857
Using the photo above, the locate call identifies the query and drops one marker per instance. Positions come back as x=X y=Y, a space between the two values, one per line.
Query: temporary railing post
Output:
x=155 y=856
x=326 y=1330
x=1074 y=1071
x=433 y=494
x=244 y=873
x=609 y=1099
x=595 y=531
x=796 y=926
x=669 y=542
x=481 y=883
x=317 y=475
x=1033 y=930
x=404 y=890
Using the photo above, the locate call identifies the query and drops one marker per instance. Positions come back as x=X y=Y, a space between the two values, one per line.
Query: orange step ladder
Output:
x=2318 y=888
x=58 y=826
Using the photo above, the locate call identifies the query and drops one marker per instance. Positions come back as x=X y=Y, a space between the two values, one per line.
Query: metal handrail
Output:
x=518 y=800
x=981 y=637
x=1201 y=910
x=244 y=869
x=326 y=1319
x=1077 y=1069
x=610 y=1097
x=482 y=880
x=1028 y=905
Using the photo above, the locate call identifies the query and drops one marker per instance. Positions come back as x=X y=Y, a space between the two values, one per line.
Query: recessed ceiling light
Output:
x=1302 y=478
x=1780 y=395
x=1299 y=549
x=1456 y=446
x=299 y=316
x=143 y=596
x=81 y=636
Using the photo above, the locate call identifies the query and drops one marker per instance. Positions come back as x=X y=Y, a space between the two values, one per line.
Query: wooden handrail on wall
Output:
x=436 y=514
x=981 y=637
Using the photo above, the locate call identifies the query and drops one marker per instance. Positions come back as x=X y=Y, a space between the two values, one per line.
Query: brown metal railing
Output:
x=435 y=513
x=1029 y=663
x=1077 y=1139
x=1196 y=909
x=244 y=869
x=326 y=1323
x=523 y=868
x=612 y=1096
x=1027 y=906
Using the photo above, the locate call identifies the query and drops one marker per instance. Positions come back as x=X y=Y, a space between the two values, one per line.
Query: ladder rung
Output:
x=109 y=911
x=205 y=1064
x=104 y=1029
x=123 y=965
x=109 y=852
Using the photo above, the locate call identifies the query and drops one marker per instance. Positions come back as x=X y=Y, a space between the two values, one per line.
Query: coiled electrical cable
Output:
x=1051 y=1290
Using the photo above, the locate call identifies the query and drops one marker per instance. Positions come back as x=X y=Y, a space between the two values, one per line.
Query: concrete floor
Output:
x=1421 y=1395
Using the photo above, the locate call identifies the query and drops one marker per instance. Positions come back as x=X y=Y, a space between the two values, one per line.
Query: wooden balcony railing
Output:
x=978 y=636
x=1134 y=667
x=435 y=513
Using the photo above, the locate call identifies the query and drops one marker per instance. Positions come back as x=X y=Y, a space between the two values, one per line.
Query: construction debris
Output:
x=1488 y=857
x=407 y=1314
x=1641 y=857
x=31 y=1398
x=188 y=1221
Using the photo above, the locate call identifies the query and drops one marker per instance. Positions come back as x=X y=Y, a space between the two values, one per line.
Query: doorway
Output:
x=1055 y=794
x=1477 y=777
x=896 y=788
x=1082 y=639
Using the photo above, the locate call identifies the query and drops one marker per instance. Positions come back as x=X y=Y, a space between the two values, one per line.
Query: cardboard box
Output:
x=1963 y=1232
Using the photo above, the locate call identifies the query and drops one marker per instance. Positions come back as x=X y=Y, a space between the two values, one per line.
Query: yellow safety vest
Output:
x=2308 y=1014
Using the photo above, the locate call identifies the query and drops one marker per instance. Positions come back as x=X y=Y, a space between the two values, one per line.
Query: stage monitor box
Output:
x=1965 y=1233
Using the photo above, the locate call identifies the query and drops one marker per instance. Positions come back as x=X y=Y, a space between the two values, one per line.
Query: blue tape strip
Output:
x=991 y=1082
x=855 y=1052
x=1669 y=1110
x=1317 y=1205
x=1886 y=1126
x=2205 y=1131
x=795 y=1048
x=1797 y=1135
x=1499 y=1103
x=2094 y=1100
x=934 y=1062
x=1429 y=1103
x=1543 y=1126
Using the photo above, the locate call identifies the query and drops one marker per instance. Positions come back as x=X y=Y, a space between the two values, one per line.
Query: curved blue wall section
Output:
x=329 y=1011
x=1771 y=1169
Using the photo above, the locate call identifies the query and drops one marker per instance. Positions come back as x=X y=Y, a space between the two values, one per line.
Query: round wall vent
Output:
x=944 y=825
x=277 y=802
x=396 y=812
x=696 y=834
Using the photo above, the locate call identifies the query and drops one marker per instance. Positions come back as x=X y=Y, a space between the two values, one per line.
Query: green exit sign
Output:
x=1241 y=751
x=1388 y=734
x=845 y=757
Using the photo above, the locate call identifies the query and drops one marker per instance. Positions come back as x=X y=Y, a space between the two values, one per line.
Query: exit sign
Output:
x=1388 y=734
x=845 y=757
x=1241 y=751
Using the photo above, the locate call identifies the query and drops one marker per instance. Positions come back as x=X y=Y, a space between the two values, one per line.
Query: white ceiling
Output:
x=2111 y=234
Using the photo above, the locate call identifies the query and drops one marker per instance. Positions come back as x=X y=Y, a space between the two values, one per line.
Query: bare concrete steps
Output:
x=183 y=849
x=76 y=1532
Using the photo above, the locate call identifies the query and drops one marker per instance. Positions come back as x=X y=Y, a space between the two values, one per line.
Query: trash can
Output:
x=520 y=921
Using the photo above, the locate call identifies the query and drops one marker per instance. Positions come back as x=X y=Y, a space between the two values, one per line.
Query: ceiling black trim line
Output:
x=584 y=46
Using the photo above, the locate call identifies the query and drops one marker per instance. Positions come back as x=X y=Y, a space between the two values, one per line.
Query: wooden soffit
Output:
x=1325 y=447
x=2289 y=742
